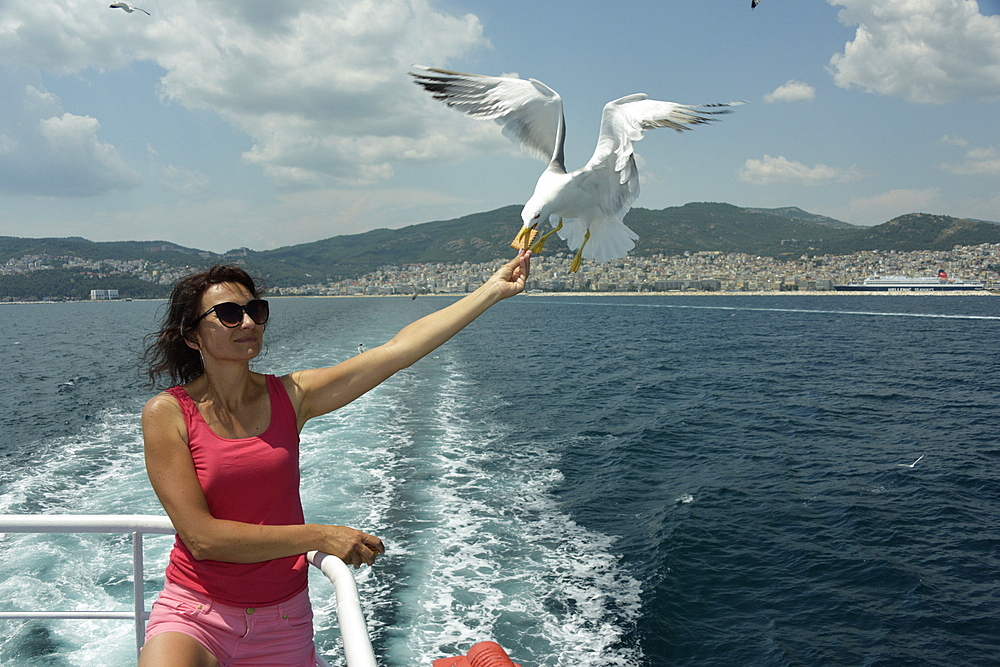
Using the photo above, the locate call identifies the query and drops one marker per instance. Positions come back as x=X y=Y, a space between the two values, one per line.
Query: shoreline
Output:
x=675 y=293
x=543 y=295
x=775 y=293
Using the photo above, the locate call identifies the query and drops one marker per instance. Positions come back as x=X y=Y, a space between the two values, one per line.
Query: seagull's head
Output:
x=547 y=197
x=529 y=218
x=533 y=213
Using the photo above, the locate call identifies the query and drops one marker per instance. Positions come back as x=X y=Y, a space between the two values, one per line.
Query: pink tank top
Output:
x=252 y=480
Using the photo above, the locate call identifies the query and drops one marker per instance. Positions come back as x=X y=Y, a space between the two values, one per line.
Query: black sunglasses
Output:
x=231 y=314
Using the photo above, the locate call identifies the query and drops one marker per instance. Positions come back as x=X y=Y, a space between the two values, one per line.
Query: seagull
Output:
x=590 y=203
x=910 y=465
x=129 y=8
x=753 y=3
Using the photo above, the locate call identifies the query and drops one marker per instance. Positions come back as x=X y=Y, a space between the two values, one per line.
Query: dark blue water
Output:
x=589 y=481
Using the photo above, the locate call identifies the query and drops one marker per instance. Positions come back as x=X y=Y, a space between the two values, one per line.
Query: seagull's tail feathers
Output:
x=609 y=238
x=572 y=232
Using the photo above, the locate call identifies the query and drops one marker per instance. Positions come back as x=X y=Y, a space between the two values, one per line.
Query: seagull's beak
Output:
x=524 y=237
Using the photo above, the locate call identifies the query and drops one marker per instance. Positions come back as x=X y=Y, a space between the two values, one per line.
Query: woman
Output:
x=221 y=452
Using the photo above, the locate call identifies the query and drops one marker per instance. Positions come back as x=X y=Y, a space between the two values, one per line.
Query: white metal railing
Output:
x=353 y=629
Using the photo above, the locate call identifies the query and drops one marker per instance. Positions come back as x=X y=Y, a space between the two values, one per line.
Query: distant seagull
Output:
x=753 y=3
x=361 y=348
x=129 y=8
x=414 y=295
x=910 y=465
x=593 y=199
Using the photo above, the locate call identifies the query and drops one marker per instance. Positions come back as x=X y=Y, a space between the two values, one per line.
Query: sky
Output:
x=222 y=124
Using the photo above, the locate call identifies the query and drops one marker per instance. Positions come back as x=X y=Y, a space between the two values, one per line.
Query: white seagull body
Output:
x=587 y=206
x=129 y=8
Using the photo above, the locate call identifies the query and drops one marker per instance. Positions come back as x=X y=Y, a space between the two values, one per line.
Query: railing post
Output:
x=138 y=590
x=353 y=629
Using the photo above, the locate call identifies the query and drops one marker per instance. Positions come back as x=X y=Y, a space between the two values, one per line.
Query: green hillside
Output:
x=12 y=247
x=481 y=237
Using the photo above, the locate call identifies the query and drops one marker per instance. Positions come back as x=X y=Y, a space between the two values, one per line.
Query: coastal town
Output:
x=697 y=272
x=690 y=272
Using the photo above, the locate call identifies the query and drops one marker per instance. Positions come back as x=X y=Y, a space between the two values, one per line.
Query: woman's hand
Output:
x=352 y=546
x=512 y=276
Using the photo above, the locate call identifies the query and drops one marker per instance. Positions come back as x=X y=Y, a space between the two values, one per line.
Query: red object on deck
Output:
x=483 y=654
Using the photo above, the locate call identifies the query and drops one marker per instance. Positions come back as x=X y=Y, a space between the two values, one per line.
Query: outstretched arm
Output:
x=322 y=390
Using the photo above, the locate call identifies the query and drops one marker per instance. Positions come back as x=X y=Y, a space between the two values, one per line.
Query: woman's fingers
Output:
x=354 y=547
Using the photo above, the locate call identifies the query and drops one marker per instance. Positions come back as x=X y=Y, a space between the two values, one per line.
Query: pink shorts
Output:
x=280 y=634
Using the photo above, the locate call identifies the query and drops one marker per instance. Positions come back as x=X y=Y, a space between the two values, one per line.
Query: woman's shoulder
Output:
x=165 y=401
x=162 y=411
x=290 y=382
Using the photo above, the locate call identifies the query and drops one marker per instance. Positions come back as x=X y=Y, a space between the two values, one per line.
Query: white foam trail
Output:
x=477 y=547
x=504 y=556
x=96 y=472
x=782 y=310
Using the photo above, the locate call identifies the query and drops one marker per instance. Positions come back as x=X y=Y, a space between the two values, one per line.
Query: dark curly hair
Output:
x=167 y=354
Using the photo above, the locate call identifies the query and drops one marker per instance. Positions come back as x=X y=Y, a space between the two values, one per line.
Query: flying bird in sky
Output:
x=129 y=8
x=753 y=3
x=586 y=207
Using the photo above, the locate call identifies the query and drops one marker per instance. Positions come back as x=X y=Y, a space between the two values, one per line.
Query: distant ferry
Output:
x=902 y=284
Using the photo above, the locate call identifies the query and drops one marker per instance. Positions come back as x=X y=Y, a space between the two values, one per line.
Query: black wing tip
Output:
x=718 y=108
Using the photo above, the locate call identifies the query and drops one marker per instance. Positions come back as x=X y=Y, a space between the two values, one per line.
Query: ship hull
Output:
x=909 y=288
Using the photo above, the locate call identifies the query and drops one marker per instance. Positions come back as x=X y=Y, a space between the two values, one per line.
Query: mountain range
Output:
x=787 y=232
x=482 y=237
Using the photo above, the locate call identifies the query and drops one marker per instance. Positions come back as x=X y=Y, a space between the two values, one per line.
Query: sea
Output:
x=593 y=481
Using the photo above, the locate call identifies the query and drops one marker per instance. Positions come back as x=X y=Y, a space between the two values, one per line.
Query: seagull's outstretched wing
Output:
x=529 y=111
x=624 y=122
x=129 y=8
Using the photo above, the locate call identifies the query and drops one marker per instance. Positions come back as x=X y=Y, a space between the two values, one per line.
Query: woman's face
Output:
x=215 y=340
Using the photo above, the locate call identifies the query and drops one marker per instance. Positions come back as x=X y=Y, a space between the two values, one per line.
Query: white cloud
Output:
x=319 y=86
x=779 y=169
x=983 y=160
x=49 y=152
x=68 y=36
x=920 y=50
x=791 y=91
x=948 y=140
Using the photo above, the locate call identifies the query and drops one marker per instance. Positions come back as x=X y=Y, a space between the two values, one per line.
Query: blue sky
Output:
x=262 y=123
